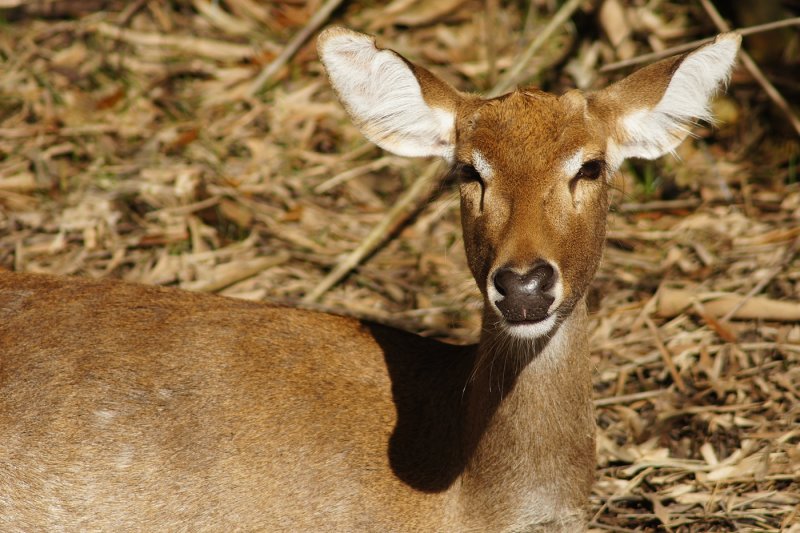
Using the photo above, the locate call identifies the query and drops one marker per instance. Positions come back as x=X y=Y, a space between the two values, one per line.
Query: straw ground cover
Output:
x=134 y=144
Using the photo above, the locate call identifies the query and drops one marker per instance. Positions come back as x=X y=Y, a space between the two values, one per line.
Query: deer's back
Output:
x=138 y=407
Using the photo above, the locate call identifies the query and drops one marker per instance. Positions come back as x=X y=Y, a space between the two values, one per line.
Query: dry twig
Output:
x=753 y=69
x=511 y=77
x=685 y=47
x=405 y=205
x=314 y=23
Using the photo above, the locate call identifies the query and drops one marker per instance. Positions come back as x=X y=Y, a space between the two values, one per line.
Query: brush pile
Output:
x=138 y=142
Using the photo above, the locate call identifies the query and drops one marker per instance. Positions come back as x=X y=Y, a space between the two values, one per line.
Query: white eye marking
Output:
x=572 y=164
x=482 y=165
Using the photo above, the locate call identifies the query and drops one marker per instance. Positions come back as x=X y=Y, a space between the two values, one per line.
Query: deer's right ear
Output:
x=399 y=106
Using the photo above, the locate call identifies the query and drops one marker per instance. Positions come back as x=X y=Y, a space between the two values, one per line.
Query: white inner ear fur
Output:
x=384 y=98
x=482 y=166
x=654 y=132
x=572 y=164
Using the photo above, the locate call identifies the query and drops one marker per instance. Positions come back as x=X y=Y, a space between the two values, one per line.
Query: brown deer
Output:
x=125 y=407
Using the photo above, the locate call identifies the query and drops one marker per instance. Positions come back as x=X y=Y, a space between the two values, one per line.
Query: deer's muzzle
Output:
x=526 y=297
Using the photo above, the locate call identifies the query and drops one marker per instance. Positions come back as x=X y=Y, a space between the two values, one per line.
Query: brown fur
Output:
x=124 y=407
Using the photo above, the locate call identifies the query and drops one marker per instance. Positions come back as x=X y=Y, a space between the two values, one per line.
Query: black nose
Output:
x=526 y=297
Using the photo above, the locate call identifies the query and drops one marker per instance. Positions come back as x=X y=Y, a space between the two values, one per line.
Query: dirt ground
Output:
x=137 y=141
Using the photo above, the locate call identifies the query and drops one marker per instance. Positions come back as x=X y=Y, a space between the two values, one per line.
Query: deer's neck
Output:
x=530 y=427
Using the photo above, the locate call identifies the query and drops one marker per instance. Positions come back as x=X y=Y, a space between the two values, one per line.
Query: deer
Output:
x=125 y=407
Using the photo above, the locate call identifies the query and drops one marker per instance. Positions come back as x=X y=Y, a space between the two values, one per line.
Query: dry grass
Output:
x=129 y=148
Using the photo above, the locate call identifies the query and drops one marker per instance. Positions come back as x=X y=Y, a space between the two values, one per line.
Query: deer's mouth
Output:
x=531 y=329
x=527 y=321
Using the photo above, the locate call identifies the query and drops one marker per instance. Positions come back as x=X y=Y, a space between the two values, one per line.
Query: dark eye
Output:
x=590 y=170
x=468 y=174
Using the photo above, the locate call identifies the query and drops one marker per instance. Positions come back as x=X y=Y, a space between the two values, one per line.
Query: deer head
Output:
x=534 y=167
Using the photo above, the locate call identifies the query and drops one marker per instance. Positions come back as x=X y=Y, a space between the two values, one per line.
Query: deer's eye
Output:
x=468 y=174
x=590 y=170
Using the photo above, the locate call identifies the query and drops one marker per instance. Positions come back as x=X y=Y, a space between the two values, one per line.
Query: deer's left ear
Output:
x=651 y=110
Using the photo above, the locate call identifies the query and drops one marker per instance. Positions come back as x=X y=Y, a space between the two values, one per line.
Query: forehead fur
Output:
x=527 y=131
